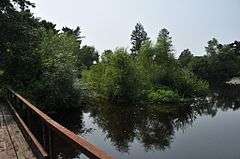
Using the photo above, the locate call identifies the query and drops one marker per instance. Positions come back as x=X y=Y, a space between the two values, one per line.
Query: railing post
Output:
x=44 y=136
x=8 y=94
x=17 y=104
x=28 y=117
x=21 y=107
x=50 y=146
x=13 y=100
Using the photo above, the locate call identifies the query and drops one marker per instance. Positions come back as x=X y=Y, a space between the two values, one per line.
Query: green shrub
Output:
x=115 y=77
x=188 y=85
x=184 y=82
x=163 y=96
x=54 y=89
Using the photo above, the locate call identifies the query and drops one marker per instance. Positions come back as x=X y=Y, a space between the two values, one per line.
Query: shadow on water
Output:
x=153 y=126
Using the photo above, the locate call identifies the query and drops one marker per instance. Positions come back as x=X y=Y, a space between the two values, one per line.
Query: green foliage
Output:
x=86 y=57
x=164 y=41
x=18 y=40
x=187 y=84
x=213 y=47
x=10 y=6
x=185 y=58
x=75 y=32
x=157 y=68
x=115 y=77
x=199 y=65
x=221 y=63
x=160 y=96
x=153 y=75
x=48 y=26
x=155 y=59
x=57 y=53
x=45 y=63
x=37 y=60
x=138 y=37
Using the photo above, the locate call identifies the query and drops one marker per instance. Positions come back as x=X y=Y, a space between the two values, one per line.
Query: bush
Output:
x=184 y=82
x=114 y=78
x=163 y=96
x=54 y=89
x=154 y=73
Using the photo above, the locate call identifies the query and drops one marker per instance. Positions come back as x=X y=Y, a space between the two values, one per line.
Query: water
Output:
x=205 y=129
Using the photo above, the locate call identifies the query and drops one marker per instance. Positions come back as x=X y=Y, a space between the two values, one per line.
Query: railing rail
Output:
x=49 y=126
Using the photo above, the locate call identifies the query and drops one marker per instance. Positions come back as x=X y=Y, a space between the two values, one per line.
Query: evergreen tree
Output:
x=75 y=32
x=164 y=47
x=164 y=41
x=138 y=36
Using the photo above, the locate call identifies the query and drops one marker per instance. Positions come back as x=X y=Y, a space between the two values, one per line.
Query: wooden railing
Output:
x=44 y=134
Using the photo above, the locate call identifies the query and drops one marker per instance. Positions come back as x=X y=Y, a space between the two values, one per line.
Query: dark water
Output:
x=206 y=128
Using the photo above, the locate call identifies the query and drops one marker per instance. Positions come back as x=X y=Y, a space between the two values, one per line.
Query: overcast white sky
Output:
x=107 y=24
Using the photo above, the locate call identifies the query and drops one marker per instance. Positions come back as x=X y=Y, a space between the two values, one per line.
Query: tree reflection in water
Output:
x=153 y=126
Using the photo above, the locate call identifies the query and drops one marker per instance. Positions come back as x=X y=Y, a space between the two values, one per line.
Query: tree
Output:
x=164 y=47
x=9 y=6
x=185 y=58
x=138 y=36
x=75 y=32
x=86 y=57
x=213 y=47
x=37 y=60
x=58 y=56
x=18 y=41
x=105 y=55
x=221 y=63
x=49 y=26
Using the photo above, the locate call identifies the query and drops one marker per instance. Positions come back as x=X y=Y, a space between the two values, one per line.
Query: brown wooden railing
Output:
x=45 y=135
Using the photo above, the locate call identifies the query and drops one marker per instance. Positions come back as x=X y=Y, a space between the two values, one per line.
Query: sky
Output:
x=107 y=24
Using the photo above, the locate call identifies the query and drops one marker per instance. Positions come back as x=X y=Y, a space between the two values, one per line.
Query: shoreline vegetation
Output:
x=53 y=69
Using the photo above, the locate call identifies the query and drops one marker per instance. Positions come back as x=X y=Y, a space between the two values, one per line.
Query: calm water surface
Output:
x=205 y=129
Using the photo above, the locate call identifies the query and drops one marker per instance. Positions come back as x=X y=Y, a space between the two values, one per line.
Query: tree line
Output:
x=220 y=63
x=54 y=69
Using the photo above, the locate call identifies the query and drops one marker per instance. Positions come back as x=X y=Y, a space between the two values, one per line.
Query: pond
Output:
x=206 y=128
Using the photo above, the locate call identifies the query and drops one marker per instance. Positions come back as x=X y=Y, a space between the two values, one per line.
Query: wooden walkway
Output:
x=40 y=137
x=12 y=143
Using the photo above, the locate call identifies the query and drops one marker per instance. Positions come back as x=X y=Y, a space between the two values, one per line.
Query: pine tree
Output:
x=138 y=36
x=164 y=46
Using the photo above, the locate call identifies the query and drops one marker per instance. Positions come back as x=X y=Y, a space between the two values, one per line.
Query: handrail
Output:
x=38 y=149
x=87 y=148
